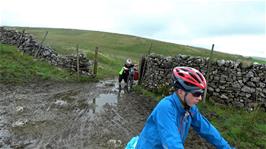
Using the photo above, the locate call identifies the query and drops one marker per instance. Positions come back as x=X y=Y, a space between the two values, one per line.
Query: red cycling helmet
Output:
x=188 y=79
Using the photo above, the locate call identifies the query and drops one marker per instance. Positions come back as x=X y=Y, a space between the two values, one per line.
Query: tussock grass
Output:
x=243 y=129
x=18 y=68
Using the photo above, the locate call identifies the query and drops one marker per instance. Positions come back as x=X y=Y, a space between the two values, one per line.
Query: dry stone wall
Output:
x=230 y=83
x=30 y=46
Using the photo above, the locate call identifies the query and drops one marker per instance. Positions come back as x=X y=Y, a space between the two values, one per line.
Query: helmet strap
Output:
x=185 y=101
x=186 y=105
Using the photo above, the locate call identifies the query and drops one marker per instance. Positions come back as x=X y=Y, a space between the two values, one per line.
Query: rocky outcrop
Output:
x=230 y=83
x=30 y=46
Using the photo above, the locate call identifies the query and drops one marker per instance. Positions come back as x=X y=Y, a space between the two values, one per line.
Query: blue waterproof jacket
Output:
x=168 y=125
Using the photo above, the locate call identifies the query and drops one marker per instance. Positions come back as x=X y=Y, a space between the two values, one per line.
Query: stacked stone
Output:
x=30 y=46
x=70 y=62
x=230 y=83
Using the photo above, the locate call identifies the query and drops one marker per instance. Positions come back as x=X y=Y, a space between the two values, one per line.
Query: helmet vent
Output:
x=194 y=77
x=184 y=69
x=200 y=76
x=181 y=74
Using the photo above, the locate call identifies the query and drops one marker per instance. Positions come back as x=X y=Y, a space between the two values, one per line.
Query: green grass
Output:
x=141 y=90
x=243 y=129
x=18 y=68
x=115 y=48
x=259 y=61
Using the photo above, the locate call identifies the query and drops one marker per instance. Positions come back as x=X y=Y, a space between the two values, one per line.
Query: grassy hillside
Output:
x=65 y=40
x=18 y=68
x=259 y=60
x=114 y=48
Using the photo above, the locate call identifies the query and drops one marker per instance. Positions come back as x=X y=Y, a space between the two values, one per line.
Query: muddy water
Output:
x=71 y=115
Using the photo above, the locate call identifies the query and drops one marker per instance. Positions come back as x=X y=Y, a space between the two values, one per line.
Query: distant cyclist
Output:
x=124 y=72
x=168 y=125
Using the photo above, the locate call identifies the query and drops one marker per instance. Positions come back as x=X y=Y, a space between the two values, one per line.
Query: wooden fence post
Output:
x=1 y=30
x=37 y=52
x=95 y=61
x=140 y=69
x=21 y=41
x=143 y=65
x=208 y=73
x=21 y=38
x=1 y=45
x=150 y=48
x=78 y=60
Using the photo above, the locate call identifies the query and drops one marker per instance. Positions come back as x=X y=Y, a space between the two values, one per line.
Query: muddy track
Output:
x=72 y=115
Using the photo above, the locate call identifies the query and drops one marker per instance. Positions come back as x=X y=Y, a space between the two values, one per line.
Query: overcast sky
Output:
x=234 y=26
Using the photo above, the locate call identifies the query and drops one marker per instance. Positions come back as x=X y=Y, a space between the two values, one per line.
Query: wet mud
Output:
x=73 y=115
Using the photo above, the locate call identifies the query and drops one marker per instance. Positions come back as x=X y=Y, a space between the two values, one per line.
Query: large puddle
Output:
x=104 y=99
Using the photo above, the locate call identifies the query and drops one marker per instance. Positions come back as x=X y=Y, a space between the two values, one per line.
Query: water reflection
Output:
x=102 y=100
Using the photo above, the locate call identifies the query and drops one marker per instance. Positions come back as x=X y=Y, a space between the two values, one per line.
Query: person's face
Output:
x=193 y=97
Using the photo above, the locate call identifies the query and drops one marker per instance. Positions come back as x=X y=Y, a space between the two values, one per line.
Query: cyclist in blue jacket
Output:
x=168 y=124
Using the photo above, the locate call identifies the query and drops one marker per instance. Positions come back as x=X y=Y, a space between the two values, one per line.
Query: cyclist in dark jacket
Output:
x=124 y=72
x=168 y=125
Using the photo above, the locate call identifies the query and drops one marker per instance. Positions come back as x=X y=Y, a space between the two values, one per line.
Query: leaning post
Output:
x=95 y=61
x=77 y=49
x=208 y=73
x=37 y=52
x=150 y=48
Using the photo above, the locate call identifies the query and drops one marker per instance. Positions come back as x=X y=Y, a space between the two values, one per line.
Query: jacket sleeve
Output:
x=121 y=71
x=208 y=131
x=165 y=119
